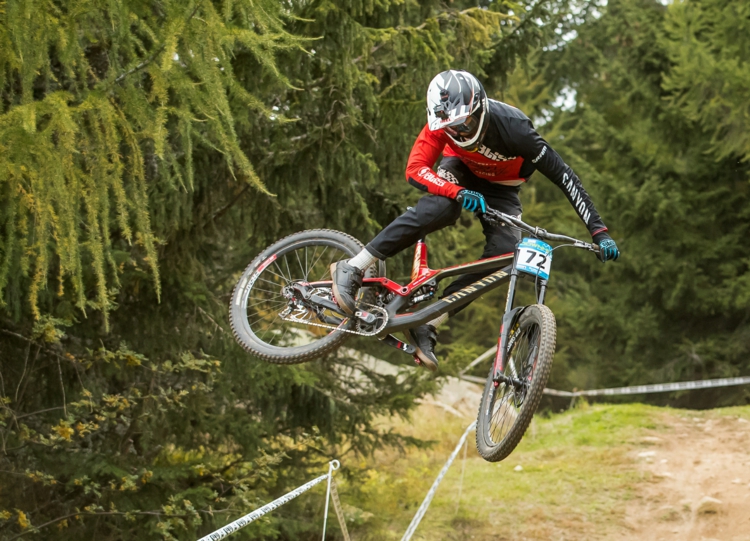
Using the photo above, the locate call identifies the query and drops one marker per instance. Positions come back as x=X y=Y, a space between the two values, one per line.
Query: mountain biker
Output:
x=489 y=150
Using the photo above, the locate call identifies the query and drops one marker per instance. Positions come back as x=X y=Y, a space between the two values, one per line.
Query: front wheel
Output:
x=509 y=404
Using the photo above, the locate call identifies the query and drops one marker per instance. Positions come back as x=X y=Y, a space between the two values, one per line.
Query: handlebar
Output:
x=496 y=216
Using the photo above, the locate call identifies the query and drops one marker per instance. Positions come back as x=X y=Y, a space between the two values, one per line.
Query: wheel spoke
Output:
x=274 y=304
x=266 y=302
x=276 y=264
x=296 y=253
x=312 y=258
x=286 y=262
x=274 y=293
x=269 y=326
x=316 y=261
x=269 y=282
x=330 y=261
x=280 y=276
x=504 y=407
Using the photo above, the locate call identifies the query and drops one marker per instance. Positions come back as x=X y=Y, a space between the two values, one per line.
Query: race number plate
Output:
x=534 y=257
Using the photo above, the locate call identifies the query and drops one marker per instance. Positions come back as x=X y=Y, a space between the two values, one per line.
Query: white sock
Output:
x=438 y=320
x=363 y=260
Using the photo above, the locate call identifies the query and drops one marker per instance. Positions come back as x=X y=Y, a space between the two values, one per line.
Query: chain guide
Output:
x=299 y=314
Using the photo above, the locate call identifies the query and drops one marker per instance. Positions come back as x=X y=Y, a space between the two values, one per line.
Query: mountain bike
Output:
x=283 y=311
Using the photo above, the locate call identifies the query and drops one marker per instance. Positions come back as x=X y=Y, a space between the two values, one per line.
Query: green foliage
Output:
x=709 y=80
x=657 y=147
x=99 y=100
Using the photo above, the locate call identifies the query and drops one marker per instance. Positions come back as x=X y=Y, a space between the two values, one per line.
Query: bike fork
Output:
x=505 y=326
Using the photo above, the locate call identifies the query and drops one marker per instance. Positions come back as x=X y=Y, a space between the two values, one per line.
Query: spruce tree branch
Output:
x=212 y=320
x=39 y=412
x=35 y=529
x=62 y=387
x=444 y=15
x=158 y=51
x=219 y=213
x=524 y=21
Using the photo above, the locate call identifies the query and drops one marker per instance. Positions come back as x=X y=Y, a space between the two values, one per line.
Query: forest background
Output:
x=149 y=149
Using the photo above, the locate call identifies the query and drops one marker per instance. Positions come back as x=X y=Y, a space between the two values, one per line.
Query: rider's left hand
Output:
x=607 y=248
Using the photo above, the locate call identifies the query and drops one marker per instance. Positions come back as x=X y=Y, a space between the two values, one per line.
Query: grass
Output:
x=576 y=471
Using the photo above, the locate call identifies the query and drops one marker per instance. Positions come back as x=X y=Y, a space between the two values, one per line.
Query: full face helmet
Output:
x=457 y=104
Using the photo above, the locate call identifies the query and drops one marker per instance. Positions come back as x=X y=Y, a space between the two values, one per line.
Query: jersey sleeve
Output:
x=424 y=154
x=533 y=148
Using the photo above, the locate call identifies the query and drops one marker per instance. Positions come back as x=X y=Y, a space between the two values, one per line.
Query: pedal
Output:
x=398 y=344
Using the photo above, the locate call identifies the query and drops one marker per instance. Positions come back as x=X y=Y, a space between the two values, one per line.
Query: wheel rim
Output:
x=264 y=300
x=507 y=400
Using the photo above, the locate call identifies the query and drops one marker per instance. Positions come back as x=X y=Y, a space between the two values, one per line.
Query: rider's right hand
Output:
x=472 y=201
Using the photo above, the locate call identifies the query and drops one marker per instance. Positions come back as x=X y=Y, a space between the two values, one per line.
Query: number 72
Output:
x=533 y=255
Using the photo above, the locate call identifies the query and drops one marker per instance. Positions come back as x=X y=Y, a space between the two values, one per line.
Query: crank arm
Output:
x=320 y=301
x=362 y=315
x=398 y=344
x=330 y=320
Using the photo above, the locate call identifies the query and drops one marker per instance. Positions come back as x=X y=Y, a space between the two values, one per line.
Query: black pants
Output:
x=434 y=212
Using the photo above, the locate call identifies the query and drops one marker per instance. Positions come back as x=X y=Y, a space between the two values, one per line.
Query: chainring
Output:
x=297 y=312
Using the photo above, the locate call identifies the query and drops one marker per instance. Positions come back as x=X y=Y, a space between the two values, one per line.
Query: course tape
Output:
x=221 y=533
x=431 y=494
x=639 y=389
x=656 y=388
x=339 y=511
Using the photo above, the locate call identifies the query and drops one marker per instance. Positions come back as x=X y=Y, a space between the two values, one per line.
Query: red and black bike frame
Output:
x=505 y=271
x=501 y=270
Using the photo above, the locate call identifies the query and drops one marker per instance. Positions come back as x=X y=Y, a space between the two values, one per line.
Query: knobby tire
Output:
x=493 y=451
x=238 y=315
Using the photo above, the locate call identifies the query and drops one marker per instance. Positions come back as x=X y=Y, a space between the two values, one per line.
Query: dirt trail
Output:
x=692 y=460
x=695 y=476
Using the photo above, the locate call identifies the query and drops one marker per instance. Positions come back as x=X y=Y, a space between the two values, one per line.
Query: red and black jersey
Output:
x=510 y=151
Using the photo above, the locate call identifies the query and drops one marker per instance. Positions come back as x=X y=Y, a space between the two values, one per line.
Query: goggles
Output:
x=464 y=131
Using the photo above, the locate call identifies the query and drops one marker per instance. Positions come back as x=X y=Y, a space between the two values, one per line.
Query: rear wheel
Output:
x=260 y=314
x=508 y=405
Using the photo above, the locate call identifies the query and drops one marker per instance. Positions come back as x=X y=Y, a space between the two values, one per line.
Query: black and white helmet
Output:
x=457 y=104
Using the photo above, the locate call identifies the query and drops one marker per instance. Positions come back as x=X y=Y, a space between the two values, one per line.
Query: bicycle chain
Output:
x=370 y=307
